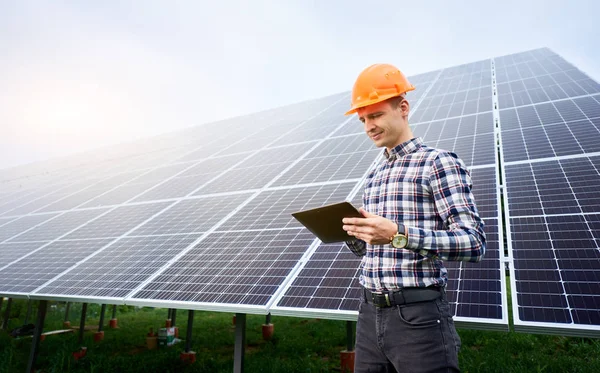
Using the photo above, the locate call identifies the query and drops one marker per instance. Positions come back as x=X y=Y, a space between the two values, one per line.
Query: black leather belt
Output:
x=403 y=296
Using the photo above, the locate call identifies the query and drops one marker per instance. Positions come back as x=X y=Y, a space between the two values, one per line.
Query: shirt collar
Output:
x=403 y=149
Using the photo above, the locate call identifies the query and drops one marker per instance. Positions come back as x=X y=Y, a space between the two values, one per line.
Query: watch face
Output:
x=399 y=241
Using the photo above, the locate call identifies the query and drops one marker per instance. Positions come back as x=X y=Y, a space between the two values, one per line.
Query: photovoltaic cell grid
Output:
x=550 y=144
x=192 y=178
x=541 y=79
x=328 y=283
x=20 y=225
x=120 y=268
x=459 y=98
x=459 y=91
x=25 y=275
x=54 y=228
x=475 y=289
x=553 y=129
x=471 y=137
x=555 y=222
x=196 y=215
x=250 y=254
x=13 y=251
x=272 y=209
x=131 y=188
x=78 y=197
x=338 y=158
x=117 y=222
x=257 y=170
x=41 y=198
x=231 y=268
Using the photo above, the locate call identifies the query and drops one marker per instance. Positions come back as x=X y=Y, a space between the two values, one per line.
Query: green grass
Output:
x=298 y=345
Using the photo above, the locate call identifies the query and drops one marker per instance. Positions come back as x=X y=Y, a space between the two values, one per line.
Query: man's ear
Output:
x=405 y=108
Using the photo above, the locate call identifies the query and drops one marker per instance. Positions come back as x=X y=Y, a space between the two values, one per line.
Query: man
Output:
x=418 y=211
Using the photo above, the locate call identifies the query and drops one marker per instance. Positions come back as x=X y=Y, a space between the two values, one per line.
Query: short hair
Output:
x=396 y=101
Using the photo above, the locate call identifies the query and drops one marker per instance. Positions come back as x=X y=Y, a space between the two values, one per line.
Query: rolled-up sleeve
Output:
x=358 y=247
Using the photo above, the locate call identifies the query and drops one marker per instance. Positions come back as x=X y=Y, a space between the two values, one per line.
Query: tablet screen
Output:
x=326 y=222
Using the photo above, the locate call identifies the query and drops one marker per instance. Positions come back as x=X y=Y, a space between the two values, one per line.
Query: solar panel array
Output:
x=550 y=121
x=200 y=218
x=328 y=281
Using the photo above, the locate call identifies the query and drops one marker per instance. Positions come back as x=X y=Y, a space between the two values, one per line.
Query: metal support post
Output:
x=173 y=316
x=28 y=314
x=114 y=311
x=101 y=323
x=349 y=335
x=82 y=322
x=240 y=343
x=37 y=334
x=67 y=309
x=188 y=336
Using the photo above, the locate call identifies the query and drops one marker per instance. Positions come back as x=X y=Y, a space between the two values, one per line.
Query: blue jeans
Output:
x=417 y=337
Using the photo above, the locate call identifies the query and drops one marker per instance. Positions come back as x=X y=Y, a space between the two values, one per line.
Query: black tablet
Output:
x=326 y=222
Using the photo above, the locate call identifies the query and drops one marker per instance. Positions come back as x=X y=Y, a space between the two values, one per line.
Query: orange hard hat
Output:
x=378 y=83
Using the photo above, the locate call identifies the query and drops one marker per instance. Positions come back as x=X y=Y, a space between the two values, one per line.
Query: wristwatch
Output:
x=399 y=240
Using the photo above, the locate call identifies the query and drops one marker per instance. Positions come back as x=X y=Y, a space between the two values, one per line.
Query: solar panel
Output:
x=84 y=194
x=554 y=129
x=26 y=274
x=189 y=180
x=39 y=197
x=244 y=268
x=119 y=269
x=201 y=218
x=330 y=168
x=54 y=228
x=471 y=136
x=550 y=144
x=195 y=215
x=132 y=186
x=256 y=170
x=540 y=80
x=117 y=221
x=13 y=251
x=327 y=285
x=20 y=225
x=273 y=208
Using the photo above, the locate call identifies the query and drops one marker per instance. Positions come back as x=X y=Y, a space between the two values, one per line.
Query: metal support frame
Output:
x=188 y=337
x=6 y=314
x=173 y=316
x=114 y=311
x=350 y=335
x=240 y=343
x=1 y=301
x=37 y=334
x=67 y=309
x=268 y=318
x=101 y=323
x=28 y=314
x=82 y=322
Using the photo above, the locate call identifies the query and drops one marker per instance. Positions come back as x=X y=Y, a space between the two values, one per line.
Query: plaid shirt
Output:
x=429 y=192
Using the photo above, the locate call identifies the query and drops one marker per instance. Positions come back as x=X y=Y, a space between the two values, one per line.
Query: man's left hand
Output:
x=372 y=229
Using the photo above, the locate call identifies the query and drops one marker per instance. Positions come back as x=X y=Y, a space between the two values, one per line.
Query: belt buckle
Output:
x=376 y=296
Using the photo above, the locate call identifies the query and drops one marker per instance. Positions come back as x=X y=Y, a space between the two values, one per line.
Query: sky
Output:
x=78 y=75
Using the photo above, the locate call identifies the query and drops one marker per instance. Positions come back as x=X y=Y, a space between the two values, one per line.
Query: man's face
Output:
x=384 y=124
